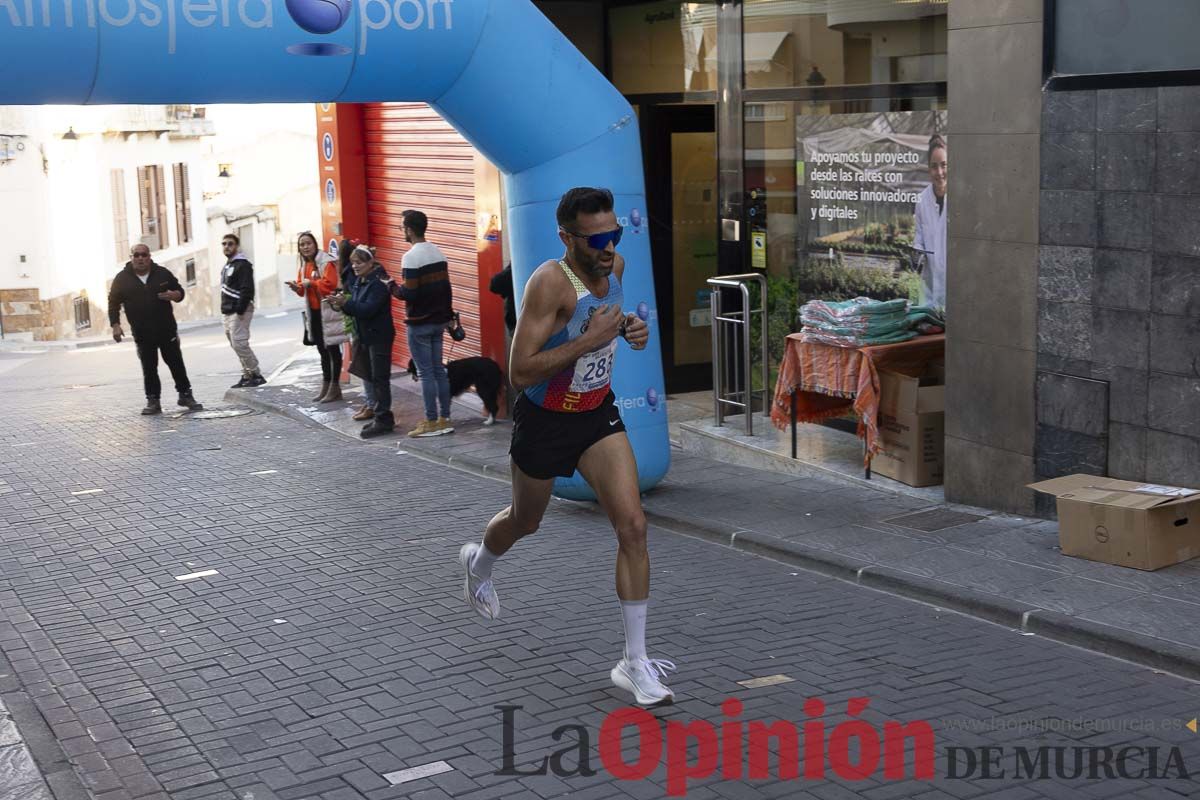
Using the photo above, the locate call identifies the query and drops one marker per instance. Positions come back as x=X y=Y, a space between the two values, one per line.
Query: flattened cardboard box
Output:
x=911 y=429
x=1130 y=524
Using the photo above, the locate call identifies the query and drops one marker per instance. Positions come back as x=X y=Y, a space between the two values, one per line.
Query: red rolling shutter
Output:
x=416 y=160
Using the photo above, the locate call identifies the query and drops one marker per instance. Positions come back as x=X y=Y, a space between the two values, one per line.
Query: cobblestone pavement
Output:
x=1003 y=568
x=331 y=648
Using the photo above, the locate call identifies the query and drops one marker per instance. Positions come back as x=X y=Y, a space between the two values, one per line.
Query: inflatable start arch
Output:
x=558 y=122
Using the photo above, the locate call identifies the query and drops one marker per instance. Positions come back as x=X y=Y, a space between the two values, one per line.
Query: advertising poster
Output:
x=872 y=206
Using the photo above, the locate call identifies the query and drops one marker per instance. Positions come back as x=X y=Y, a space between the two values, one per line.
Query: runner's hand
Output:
x=117 y=333
x=602 y=328
x=637 y=332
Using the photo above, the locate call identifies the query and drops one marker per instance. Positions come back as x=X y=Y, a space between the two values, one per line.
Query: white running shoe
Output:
x=643 y=677
x=479 y=592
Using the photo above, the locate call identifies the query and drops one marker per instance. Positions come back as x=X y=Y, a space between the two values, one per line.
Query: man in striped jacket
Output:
x=429 y=306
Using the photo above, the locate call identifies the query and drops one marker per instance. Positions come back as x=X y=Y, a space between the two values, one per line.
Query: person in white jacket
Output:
x=325 y=327
x=930 y=235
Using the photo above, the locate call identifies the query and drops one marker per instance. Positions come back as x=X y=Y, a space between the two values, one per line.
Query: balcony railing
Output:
x=176 y=120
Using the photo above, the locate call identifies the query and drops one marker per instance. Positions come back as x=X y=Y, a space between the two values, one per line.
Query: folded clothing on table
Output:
x=858 y=322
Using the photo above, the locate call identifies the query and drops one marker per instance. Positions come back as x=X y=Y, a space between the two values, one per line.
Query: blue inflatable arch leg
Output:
x=497 y=70
x=577 y=130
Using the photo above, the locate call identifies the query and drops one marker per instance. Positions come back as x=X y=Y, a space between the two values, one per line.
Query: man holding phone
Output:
x=566 y=418
x=146 y=291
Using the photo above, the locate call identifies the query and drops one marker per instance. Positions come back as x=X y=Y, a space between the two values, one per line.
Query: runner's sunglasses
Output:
x=598 y=241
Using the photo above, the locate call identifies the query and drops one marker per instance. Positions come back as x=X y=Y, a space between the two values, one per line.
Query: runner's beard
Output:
x=590 y=262
x=601 y=270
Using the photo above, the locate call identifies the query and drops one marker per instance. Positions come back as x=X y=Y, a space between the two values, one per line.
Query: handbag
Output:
x=306 y=339
x=333 y=325
x=360 y=362
x=454 y=327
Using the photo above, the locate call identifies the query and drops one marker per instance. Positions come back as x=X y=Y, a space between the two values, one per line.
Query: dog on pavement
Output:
x=482 y=373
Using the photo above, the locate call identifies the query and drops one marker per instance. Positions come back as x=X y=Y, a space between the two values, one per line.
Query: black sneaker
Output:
x=373 y=429
x=242 y=384
x=255 y=380
x=189 y=402
x=152 y=407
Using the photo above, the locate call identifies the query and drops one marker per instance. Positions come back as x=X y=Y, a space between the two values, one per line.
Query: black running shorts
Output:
x=548 y=444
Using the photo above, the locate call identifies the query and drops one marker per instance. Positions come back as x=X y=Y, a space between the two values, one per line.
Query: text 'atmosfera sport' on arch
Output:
x=497 y=70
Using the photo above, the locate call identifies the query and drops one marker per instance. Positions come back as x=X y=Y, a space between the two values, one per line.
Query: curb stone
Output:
x=814 y=559
x=1156 y=653
x=242 y=398
x=994 y=608
x=473 y=466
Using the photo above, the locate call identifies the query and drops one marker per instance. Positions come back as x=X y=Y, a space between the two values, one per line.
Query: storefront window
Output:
x=664 y=47
x=832 y=180
x=814 y=43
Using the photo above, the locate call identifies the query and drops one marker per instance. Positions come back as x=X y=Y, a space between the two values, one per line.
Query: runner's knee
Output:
x=524 y=524
x=631 y=530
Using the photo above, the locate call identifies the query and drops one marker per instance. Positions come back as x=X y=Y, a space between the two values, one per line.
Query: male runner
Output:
x=566 y=418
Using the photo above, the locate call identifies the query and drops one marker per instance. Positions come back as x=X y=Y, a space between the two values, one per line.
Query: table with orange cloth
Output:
x=825 y=381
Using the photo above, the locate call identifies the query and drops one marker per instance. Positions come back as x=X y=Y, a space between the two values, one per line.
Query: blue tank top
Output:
x=582 y=386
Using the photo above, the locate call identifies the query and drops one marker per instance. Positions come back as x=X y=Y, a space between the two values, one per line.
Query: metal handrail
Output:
x=719 y=324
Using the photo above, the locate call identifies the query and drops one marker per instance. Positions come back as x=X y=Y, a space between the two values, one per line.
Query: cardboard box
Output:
x=1130 y=524
x=911 y=428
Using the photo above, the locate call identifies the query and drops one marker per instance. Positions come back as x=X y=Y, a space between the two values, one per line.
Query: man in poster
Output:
x=930 y=235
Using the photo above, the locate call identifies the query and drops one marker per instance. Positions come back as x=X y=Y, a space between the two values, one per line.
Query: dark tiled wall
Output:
x=1118 y=382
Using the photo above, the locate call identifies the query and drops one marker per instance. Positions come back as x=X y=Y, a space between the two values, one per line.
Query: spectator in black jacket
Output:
x=370 y=303
x=360 y=356
x=237 y=306
x=146 y=291
x=502 y=284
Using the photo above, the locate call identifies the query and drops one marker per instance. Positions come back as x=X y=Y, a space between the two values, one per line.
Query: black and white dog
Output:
x=482 y=373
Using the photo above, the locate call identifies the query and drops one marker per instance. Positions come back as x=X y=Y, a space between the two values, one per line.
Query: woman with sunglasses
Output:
x=316 y=280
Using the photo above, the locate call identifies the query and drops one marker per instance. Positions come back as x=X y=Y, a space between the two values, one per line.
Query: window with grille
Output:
x=189 y=271
x=152 y=198
x=83 y=313
x=183 y=203
x=120 y=218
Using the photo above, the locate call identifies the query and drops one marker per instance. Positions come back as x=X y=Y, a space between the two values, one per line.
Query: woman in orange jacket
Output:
x=316 y=280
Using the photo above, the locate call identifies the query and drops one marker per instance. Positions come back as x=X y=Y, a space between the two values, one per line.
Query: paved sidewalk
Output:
x=1002 y=568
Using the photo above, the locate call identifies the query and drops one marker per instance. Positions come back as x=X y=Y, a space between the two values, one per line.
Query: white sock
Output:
x=481 y=564
x=633 y=614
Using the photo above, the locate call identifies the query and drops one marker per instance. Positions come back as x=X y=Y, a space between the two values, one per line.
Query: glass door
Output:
x=681 y=195
x=693 y=244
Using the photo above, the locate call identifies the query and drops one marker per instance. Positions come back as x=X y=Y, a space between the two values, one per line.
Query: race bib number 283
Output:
x=594 y=370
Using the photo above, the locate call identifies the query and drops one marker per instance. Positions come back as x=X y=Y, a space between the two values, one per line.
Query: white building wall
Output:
x=258 y=234
x=25 y=245
x=57 y=206
x=271 y=153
